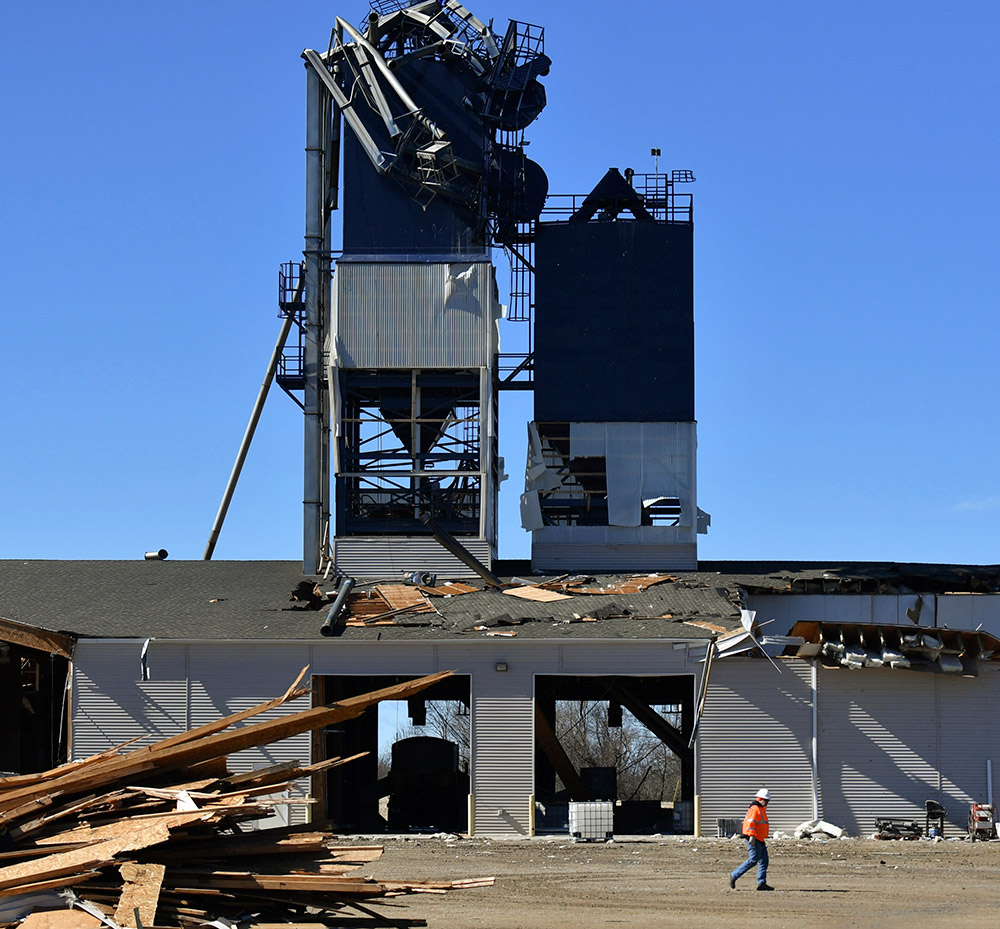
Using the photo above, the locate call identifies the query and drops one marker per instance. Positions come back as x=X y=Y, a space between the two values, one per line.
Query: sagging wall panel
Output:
x=969 y=611
x=756 y=732
x=787 y=609
x=612 y=496
x=393 y=314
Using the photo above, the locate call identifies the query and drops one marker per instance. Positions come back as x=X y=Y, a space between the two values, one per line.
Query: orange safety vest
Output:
x=755 y=822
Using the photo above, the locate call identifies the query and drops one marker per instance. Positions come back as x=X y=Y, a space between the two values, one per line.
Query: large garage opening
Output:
x=619 y=739
x=415 y=775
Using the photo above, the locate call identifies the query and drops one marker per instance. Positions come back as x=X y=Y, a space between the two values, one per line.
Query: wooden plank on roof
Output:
x=39 y=639
x=535 y=593
x=400 y=596
x=631 y=585
x=451 y=589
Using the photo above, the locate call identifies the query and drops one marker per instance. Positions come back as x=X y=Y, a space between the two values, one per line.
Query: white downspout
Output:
x=815 y=741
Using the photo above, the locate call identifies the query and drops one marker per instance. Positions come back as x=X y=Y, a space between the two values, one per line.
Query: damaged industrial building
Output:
x=854 y=691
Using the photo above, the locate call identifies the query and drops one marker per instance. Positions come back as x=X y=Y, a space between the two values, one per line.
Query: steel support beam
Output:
x=312 y=491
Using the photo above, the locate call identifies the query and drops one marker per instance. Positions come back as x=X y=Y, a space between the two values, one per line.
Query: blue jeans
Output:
x=756 y=855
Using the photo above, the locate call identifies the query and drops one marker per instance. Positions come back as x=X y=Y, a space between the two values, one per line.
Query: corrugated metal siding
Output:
x=970 y=735
x=645 y=658
x=403 y=315
x=878 y=745
x=382 y=556
x=503 y=752
x=756 y=732
x=233 y=676
x=560 y=556
x=112 y=705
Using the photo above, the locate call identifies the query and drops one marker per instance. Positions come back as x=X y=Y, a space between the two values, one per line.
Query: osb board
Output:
x=535 y=593
x=401 y=597
x=60 y=919
x=141 y=891
x=130 y=836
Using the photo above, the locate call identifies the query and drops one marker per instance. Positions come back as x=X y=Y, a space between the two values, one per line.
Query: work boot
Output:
x=764 y=887
x=732 y=882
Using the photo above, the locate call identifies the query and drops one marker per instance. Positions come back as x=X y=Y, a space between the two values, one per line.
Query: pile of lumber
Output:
x=162 y=835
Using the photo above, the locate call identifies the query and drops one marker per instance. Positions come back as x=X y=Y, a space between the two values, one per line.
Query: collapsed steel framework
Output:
x=435 y=106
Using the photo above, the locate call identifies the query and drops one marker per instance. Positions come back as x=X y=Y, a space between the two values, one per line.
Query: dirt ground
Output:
x=553 y=883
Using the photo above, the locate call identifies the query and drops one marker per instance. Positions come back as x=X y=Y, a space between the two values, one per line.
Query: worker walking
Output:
x=755 y=830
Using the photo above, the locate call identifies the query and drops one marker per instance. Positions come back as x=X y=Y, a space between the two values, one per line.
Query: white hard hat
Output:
x=763 y=794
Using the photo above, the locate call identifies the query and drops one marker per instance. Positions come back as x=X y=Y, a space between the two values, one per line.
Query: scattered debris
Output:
x=818 y=829
x=153 y=837
x=889 y=828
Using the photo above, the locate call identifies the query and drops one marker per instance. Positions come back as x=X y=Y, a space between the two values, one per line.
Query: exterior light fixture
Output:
x=501 y=665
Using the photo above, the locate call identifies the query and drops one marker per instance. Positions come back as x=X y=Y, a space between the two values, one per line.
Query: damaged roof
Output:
x=246 y=600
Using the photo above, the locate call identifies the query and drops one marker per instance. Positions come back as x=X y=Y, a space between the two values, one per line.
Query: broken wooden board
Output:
x=451 y=589
x=20 y=804
x=535 y=593
x=60 y=919
x=140 y=891
x=130 y=836
x=400 y=596
x=631 y=585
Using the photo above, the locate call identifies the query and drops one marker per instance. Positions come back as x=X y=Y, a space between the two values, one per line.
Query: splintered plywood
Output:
x=401 y=597
x=631 y=585
x=141 y=891
x=535 y=593
x=131 y=837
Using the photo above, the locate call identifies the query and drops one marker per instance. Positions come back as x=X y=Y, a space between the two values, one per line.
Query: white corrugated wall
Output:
x=756 y=731
x=197 y=682
x=891 y=740
x=112 y=704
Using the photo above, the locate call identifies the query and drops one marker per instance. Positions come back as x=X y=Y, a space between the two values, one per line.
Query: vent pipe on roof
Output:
x=161 y=555
x=346 y=586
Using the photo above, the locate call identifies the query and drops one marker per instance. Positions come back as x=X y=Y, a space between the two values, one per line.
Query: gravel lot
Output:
x=553 y=883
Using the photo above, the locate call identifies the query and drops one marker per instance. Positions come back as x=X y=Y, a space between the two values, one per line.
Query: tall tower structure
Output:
x=400 y=327
x=611 y=476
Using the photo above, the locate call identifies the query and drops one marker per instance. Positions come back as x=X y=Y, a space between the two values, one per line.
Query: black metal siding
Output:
x=614 y=322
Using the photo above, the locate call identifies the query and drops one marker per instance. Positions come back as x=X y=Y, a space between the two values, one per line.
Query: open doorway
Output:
x=415 y=775
x=32 y=705
x=619 y=739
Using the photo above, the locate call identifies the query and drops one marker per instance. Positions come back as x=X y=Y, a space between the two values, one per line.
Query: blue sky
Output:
x=846 y=244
